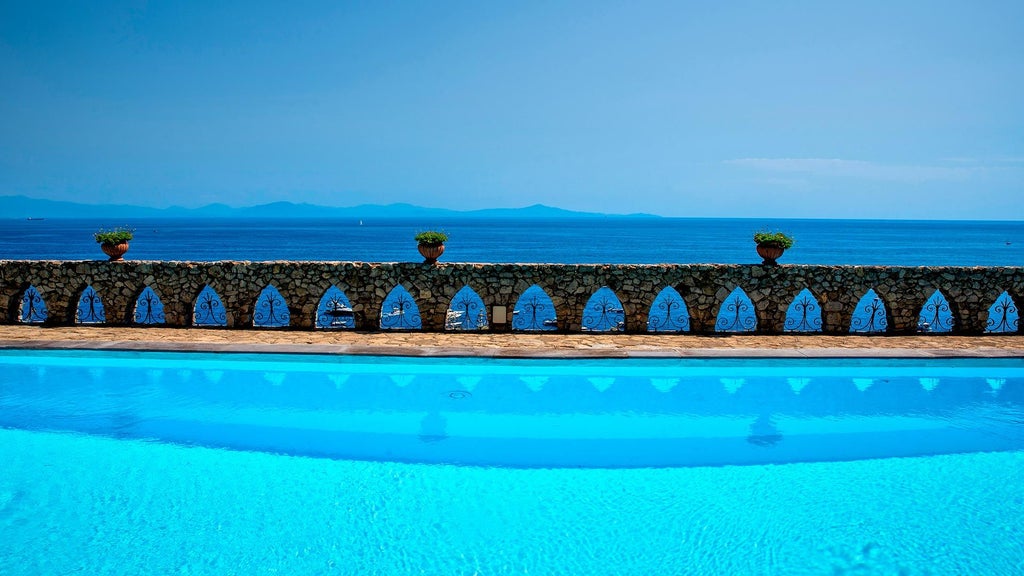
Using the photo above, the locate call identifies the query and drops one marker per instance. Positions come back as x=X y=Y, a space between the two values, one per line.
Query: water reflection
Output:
x=529 y=414
x=433 y=427
x=763 y=432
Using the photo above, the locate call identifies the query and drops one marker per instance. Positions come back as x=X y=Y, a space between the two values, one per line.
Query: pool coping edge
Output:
x=509 y=352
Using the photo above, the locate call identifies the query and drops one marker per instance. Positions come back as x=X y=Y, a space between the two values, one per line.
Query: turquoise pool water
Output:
x=133 y=463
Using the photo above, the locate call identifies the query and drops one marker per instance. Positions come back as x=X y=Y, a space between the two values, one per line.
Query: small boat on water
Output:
x=340 y=314
x=34 y=218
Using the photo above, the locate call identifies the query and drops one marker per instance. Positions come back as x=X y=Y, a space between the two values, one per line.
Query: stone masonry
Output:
x=904 y=290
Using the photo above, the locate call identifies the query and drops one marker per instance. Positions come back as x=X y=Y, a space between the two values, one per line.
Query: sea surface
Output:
x=610 y=240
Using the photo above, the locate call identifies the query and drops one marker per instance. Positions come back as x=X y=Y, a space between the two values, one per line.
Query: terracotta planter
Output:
x=115 y=251
x=431 y=252
x=770 y=252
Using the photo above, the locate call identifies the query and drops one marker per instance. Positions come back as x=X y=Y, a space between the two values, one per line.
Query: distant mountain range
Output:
x=22 y=207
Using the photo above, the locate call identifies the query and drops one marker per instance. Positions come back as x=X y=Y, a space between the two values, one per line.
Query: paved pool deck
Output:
x=521 y=345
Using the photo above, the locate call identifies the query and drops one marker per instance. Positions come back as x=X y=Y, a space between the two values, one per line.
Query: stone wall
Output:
x=970 y=291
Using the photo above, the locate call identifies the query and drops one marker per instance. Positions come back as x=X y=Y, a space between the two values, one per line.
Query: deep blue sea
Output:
x=612 y=240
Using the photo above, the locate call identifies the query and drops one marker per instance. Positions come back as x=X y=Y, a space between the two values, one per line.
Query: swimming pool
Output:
x=136 y=463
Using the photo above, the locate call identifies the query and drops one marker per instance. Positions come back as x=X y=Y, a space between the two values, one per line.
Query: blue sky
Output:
x=746 y=109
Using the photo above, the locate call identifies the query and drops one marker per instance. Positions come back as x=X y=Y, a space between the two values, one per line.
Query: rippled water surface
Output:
x=130 y=463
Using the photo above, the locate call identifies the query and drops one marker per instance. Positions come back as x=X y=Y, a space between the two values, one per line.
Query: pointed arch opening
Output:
x=208 y=309
x=803 y=314
x=736 y=313
x=869 y=316
x=935 y=315
x=90 y=308
x=149 y=309
x=466 y=311
x=603 y=312
x=1003 y=317
x=668 y=312
x=33 y=308
x=399 y=311
x=271 y=310
x=534 y=311
x=335 y=311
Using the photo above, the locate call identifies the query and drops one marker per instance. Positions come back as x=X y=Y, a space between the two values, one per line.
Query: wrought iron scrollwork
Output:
x=466 y=311
x=736 y=314
x=804 y=314
x=90 y=308
x=534 y=311
x=271 y=310
x=935 y=315
x=399 y=311
x=603 y=312
x=33 y=308
x=335 y=312
x=668 y=313
x=1003 y=316
x=208 y=310
x=869 y=316
x=148 y=308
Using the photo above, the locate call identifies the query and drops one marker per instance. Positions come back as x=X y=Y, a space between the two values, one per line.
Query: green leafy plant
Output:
x=431 y=238
x=779 y=239
x=115 y=236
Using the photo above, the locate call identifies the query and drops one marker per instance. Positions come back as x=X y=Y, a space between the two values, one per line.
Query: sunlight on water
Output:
x=159 y=463
x=137 y=507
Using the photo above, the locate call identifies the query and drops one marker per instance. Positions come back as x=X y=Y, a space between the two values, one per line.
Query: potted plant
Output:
x=114 y=243
x=431 y=245
x=771 y=245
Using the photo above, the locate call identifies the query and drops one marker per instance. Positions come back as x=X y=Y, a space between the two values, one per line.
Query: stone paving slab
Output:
x=507 y=345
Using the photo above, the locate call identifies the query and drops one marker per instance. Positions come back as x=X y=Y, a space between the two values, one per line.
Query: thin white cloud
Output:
x=988 y=161
x=856 y=169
